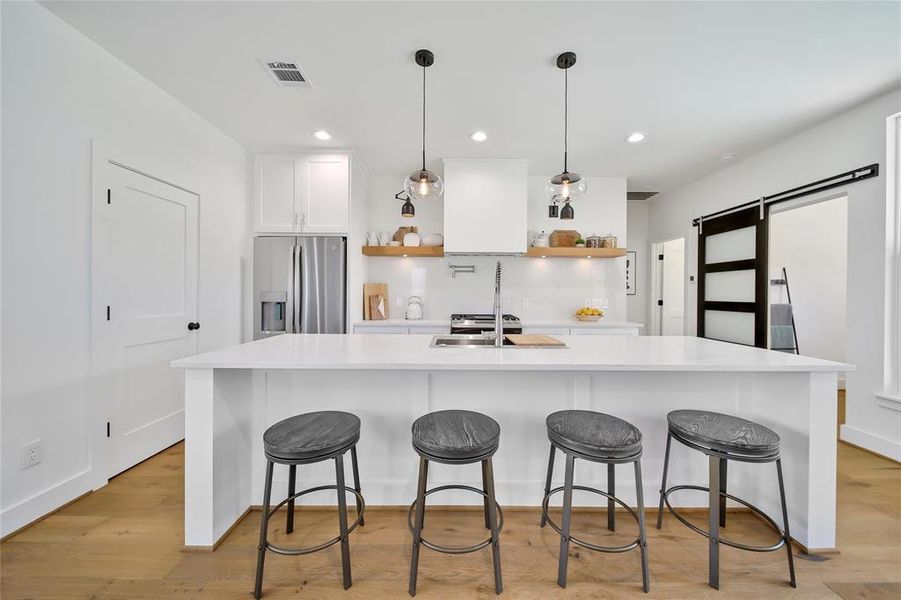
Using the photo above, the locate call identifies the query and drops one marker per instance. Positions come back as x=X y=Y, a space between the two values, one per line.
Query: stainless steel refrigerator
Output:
x=299 y=285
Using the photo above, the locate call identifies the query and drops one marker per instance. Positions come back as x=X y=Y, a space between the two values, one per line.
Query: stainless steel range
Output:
x=475 y=323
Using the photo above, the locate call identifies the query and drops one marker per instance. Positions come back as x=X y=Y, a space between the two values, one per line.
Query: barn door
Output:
x=732 y=278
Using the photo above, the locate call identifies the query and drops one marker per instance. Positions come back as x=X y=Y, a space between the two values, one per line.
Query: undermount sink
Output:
x=477 y=341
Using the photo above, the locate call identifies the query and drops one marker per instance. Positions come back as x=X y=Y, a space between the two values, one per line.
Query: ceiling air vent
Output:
x=286 y=73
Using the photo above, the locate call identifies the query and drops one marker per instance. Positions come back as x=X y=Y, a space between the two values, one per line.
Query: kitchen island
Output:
x=232 y=395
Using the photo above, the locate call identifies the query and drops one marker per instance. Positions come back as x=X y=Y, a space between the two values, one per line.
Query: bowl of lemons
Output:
x=586 y=313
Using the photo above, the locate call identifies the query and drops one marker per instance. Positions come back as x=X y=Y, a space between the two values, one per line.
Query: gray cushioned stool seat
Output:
x=723 y=432
x=311 y=435
x=593 y=433
x=456 y=434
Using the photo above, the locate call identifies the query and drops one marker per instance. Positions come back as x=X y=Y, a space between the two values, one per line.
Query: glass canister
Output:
x=593 y=241
x=608 y=241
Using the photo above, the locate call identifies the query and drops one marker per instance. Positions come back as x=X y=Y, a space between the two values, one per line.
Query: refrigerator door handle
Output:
x=290 y=326
x=298 y=298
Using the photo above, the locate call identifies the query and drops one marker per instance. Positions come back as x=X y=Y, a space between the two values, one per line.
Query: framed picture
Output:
x=631 y=265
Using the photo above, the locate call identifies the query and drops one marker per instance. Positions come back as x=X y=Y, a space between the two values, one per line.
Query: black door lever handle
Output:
x=193 y=326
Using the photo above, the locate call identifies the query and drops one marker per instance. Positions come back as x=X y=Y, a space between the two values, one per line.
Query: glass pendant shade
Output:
x=566 y=187
x=423 y=185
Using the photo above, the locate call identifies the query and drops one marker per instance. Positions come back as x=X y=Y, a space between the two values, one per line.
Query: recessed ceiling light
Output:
x=727 y=156
x=322 y=135
x=635 y=137
x=478 y=136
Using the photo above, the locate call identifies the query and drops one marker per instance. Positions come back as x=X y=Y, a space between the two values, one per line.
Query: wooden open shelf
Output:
x=575 y=252
x=427 y=251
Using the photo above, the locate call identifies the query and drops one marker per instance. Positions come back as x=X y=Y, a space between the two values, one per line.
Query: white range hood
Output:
x=485 y=205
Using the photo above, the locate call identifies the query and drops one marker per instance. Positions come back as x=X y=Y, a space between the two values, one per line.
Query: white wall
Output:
x=637 y=223
x=811 y=242
x=851 y=140
x=60 y=91
x=532 y=288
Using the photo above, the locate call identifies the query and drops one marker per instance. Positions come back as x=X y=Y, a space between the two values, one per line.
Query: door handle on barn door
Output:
x=193 y=326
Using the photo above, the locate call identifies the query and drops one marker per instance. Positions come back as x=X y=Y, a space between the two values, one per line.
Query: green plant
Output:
x=580 y=241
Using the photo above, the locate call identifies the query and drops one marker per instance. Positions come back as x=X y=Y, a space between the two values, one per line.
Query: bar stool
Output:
x=456 y=437
x=600 y=438
x=723 y=438
x=303 y=440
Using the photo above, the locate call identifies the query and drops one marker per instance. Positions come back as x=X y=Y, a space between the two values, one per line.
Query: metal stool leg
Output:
x=786 y=537
x=669 y=439
x=342 y=520
x=292 y=482
x=723 y=468
x=565 y=522
x=264 y=525
x=417 y=527
x=547 y=483
x=714 y=519
x=356 y=470
x=611 y=489
x=642 y=535
x=488 y=469
x=485 y=502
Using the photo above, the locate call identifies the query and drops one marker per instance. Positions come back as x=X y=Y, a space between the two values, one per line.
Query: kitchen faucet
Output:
x=498 y=313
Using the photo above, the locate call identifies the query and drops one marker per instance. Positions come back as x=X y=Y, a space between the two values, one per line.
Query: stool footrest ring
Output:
x=323 y=545
x=456 y=549
x=582 y=543
x=721 y=539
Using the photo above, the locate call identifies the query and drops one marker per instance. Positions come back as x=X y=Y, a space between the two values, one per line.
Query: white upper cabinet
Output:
x=275 y=187
x=301 y=193
x=485 y=206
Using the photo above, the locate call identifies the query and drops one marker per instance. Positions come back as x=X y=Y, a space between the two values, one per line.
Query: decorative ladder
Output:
x=783 y=334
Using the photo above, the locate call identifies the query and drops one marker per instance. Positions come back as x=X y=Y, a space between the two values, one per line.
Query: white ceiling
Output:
x=702 y=79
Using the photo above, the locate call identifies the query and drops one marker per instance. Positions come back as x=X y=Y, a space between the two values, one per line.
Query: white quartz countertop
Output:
x=601 y=324
x=584 y=353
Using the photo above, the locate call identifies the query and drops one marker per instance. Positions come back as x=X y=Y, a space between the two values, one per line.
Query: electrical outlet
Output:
x=32 y=453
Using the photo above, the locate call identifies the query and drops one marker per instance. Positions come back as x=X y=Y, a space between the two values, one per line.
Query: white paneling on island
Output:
x=232 y=395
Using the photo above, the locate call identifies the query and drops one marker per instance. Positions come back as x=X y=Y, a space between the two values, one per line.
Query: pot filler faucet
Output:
x=498 y=312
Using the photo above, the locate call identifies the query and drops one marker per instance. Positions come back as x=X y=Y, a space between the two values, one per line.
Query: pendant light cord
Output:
x=423 y=118
x=565 y=118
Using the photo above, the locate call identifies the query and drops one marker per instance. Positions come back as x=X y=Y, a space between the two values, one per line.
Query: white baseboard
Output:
x=871 y=442
x=35 y=507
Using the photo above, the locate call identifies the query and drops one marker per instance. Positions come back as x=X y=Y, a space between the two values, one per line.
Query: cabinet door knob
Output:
x=193 y=326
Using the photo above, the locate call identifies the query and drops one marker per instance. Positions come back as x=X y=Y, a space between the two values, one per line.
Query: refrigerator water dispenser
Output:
x=272 y=309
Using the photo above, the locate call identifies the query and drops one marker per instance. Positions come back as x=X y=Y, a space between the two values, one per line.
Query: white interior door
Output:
x=147 y=284
x=673 y=310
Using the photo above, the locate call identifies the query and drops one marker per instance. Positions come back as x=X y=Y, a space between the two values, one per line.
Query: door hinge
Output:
x=659 y=257
x=108 y=196
x=107 y=429
x=107 y=313
x=660 y=303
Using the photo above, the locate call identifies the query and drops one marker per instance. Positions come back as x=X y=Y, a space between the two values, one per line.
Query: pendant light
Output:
x=423 y=184
x=407 y=209
x=566 y=186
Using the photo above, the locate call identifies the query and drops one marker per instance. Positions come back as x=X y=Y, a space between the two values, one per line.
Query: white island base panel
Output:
x=227 y=410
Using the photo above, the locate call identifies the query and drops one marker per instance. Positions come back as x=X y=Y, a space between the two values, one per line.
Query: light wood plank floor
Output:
x=125 y=541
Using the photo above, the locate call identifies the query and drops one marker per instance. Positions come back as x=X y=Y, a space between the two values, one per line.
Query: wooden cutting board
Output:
x=533 y=339
x=370 y=290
